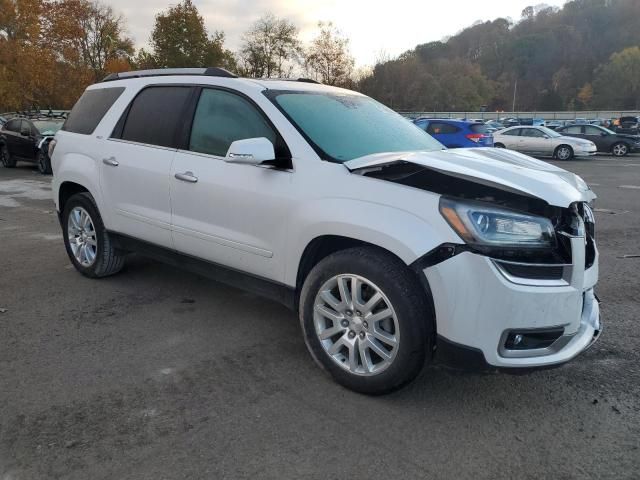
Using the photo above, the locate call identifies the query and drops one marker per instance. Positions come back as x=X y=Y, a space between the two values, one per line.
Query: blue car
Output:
x=457 y=133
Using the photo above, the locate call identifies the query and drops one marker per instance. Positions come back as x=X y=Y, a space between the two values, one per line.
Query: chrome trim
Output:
x=555 y=347
x=150 y=145
x=567 y=271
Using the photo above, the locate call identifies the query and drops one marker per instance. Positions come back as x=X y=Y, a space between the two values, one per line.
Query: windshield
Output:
x=548 y=131
x=47 y=127
x=342 y=126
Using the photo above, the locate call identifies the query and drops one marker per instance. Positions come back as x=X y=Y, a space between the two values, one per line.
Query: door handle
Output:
x=111 y=161
x=187 y=177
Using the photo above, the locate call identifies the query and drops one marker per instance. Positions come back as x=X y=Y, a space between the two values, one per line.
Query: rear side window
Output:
x=13 y=125
x=441 y=128
x=574 y=129
x=90 y=109
x=478 y=128
x=513 y=133
x=155 y=116
x=222 y=118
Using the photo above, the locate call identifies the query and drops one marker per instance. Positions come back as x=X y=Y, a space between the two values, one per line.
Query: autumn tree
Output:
x=180 y=39
x=617 y=83
x=270 y=47
x=328 y=58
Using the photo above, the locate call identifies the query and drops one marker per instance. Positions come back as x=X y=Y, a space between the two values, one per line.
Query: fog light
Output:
x=517 y=340
x=532 y=339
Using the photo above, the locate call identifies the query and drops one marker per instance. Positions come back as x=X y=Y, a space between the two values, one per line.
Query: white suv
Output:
x=390 y=247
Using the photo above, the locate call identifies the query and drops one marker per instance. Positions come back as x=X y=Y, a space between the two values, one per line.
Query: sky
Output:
x=376 y=28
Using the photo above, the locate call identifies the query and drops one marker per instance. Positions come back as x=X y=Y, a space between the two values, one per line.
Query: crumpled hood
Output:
x=511 y=170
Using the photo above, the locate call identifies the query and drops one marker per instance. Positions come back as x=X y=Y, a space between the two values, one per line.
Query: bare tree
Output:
x=270 y=47
x=328 y=58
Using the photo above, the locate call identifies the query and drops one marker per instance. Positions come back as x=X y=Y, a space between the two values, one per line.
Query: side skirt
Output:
x=263 y=287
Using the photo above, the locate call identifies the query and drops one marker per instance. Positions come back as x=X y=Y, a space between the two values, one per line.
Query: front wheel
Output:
x=564 y=152
x=6 y=159
x=86 y=240
x=366 y=320
x=44 y=163
x=620 y=149
x=499 y=145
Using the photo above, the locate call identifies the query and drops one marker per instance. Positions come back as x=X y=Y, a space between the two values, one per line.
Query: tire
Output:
x=620 y=149
x=6 y=159
x=100 y=258
x=499 y=145
x=563 y=152
x=44 y=163
x=410 y=322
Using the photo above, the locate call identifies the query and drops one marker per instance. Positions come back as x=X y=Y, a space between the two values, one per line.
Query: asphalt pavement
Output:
x=160 y=374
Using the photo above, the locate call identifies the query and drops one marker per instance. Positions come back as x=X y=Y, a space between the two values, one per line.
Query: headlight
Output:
x=485 y=225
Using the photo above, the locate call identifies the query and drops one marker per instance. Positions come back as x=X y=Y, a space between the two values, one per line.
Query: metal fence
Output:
x=589 y=115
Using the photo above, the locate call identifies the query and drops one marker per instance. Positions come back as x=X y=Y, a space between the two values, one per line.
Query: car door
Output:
x=136 y=164
x=11 y=132
x=535 y=141
x=599 y=137
x=231 y=214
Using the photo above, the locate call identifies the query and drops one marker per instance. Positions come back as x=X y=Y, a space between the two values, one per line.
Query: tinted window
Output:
x=13 y=125
x=89 y=110
x=592 y=130
x=441 y=128
x=531 y=132
x=514 y=133
x=221 y=118
x=575 y=129
x=344 y=126
x=155 y=115
x=479 y=128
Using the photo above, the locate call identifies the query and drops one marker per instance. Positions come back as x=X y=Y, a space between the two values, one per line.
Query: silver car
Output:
x=543 y=141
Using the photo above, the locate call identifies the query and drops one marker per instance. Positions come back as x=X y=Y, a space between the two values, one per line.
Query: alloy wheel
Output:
x=564 y=153
x=356 y=324
x=620 y=150
x=82 y=236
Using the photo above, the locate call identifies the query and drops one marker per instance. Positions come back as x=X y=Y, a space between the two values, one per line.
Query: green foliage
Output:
x=617 y=84
x=180 y=39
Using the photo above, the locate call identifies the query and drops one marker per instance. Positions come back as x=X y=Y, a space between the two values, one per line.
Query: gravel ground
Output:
x=156 y=373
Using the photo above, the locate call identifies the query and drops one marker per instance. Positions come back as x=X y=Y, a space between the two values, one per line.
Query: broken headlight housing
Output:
x=485 y=225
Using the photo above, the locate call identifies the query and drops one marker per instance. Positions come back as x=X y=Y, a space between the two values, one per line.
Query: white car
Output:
x=392 y=249
x=543 y=141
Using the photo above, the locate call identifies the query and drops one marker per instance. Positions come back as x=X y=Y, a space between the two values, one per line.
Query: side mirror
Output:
x=250 y=151
x=546 y=136
x=603 y=134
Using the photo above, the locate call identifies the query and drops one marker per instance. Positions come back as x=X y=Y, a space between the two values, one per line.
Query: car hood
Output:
x=509 y=170
x=635 y=138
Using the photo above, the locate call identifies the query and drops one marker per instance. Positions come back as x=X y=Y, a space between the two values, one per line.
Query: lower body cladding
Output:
x=491 y=318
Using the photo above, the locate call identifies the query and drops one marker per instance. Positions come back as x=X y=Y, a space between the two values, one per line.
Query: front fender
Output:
x=401 y=232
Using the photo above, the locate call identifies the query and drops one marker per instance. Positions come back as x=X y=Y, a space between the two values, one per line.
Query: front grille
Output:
x=569 y=226
x=590 y=234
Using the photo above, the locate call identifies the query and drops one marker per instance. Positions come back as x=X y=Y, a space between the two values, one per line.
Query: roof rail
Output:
x=161 y=72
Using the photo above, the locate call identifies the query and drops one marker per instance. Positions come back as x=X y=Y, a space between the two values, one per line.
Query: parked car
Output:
x=457 y=133
x=544 y=142
x=628 y=125
x=554 y=124
x=27 y=140
x=493 y=125
x=3 y=120
x=580 y=121
x=606 y=141
x=390 y=248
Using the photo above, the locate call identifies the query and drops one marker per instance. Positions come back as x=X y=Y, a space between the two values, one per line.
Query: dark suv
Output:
x=28 y=140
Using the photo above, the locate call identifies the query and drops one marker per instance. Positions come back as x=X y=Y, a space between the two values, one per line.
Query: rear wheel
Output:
x=86 y=240
x=564 y=152
x=5 y=157
x=44 y=163
x=365 y=320
x=620 y=149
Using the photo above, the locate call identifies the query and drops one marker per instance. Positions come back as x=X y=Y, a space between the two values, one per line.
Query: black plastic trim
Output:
x=263 y=287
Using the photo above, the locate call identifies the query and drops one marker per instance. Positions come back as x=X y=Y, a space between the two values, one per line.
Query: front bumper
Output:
x=477 y=305
x=585 y=152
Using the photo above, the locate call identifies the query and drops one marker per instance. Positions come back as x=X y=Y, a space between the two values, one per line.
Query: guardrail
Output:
x=589 y=114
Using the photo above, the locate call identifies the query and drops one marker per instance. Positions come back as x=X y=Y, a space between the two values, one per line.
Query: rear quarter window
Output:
x=89 y=110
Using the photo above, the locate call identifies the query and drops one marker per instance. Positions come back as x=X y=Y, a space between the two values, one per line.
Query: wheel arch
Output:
x=67 y=190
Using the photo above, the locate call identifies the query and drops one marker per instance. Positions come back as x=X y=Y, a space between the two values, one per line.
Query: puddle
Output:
x=13 y=190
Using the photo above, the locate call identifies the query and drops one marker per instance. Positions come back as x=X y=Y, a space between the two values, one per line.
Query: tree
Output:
x=270 y=47
x=180 y=39
x=585 y=96
x=617 y=84
x=328 y=57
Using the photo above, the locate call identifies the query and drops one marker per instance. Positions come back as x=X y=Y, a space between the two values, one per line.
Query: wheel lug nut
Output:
x=349 y=313
x=365 y=324
x=352 y=334
x=362 y=335
x=359 y=314
x=344 y=323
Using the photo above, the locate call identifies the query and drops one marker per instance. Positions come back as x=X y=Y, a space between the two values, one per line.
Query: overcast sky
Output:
x=374 y=26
